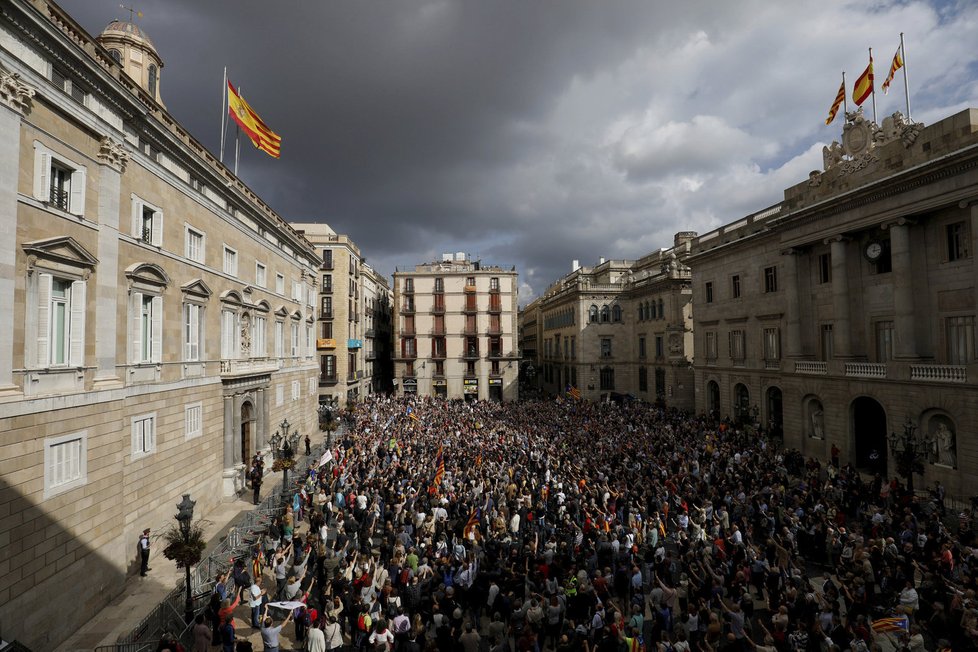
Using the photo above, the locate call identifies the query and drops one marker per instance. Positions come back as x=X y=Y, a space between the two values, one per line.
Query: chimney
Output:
x=575 y=265
x=601 y=261
x=684 y=237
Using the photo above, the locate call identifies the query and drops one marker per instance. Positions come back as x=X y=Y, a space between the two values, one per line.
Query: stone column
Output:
x=229 y=473
x=236 y=430
x=113 y=158
x=905 y=336
x=842 y=327
x=15 y=102
x=793 y=321
x=261 y=428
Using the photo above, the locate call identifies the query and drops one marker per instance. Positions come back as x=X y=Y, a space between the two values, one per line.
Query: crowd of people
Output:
x=566 y=525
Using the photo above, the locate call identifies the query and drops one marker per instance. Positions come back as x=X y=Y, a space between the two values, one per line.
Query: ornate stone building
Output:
x=156 y=323
x=456 y=330
x=846 y=312
x=619 y=329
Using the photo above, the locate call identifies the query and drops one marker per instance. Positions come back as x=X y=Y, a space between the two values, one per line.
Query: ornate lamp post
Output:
x=184 y=516
x=284 y=457
x=910 y=451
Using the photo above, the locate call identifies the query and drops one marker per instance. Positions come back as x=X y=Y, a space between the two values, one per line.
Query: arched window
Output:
x=605 y=314
x=641 y=312
x=662 y=312
x=648 y=311
x=592 y=314
x=152 y=80
x=116 y=55
x=616 y=313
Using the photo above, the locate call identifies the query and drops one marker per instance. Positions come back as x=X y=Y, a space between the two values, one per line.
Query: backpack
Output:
x=227 y=634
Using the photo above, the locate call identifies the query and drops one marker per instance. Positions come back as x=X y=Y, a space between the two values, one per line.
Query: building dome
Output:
x=133 y=50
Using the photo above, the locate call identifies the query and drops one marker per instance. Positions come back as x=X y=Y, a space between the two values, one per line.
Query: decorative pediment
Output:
x=231 y=296
x=64 y=250
x=262 y=306
x=282 y=312
x=310 y=318
x=147 y=274
x=198 y=288
x=297 y=315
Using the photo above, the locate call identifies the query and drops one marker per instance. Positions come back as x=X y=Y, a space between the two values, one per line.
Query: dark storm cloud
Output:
x=530 y=132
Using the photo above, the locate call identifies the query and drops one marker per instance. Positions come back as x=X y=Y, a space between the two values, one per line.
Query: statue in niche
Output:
x=245 y=335
x=944 y=449
x=816 y=416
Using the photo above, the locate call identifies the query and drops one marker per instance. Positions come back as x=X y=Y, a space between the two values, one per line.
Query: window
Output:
x=193 y=421
x=229 y=335
x=641 y=346
x=824 y=268
x=327 y=283
x=772 y=344
x=470 y=281
x=735 y=286
x=295 y=340
x=116 y=56
x=439 y=285
x=258 y=329
x=643 y=379
x=67 y=85
x=960 y=339
x=660 y=382
x=605 y=347
x=770 y=279
x=279 y=284
x=59 y=321
x=147 y=328
x=196 y=183
x=607 y=378
x=592 y=314
x=573 y=354
x=708 y=289
x=327 y=330
x=327 y=367
x=297 y=290
x=737 y=346
x=470 y=368
x=711 y=346
x=143 y=435
x=660 y=349
x=261 y=275
x=193 y=315
x=295 y=390
x=230 y=261
x=827 y=342
x=662 y=310
x=605 y=315
x=279 y=395
x=193 y=244
x=151 y=82
x=957 y=236
x=309 y=346
x=494 y=283
x=884 y=341
x=279 y=339
x=58 y=182
x=616 y=313
x=65 y=463
x=409 y=285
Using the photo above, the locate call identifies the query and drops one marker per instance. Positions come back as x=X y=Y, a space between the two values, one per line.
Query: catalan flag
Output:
x=893 y=624
x=573 y=392
x=439 y=468
x=257 y=562
x=894 y=66
x=840 y=97
x=472 y=523
x=260 y=134
x=864 y=84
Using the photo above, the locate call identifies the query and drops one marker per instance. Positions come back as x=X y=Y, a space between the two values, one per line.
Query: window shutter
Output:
x=42 y=175
x=43 y=319
x=76 y=202
x=157 y=350
x=136 y=334
x=137 y=213
x=158 y=228
x=76 y=337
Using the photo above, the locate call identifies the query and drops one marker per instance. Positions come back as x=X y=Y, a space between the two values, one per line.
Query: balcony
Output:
x=327 y=265
x=939 y=373
x=370 y=332
x=470 y=289
x=246 y=367
x=494 y=290
x=408 y=289
x=370 y=355
x=438 y=330
x=325 y=313
x=353 y=343
x=470 y=330
x=408 y=355
x=495 y=307
x=59 y=198
x=471 y=354
x=438 y=354
x=354 y=376
x=327 y=289
x=772 y=364
x=494 y=331
x=470 y=309
x=327 y=379
x=812 y=367
x=865 y=369
x=438 y=309
x=495 y=354
x=325 y=343
x=408 y=332
x=407 y=309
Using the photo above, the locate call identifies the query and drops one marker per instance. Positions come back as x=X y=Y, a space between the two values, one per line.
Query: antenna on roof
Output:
x=132 y=11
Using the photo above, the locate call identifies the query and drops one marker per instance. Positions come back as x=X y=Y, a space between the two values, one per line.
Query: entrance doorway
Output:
x=741 y=403
x=869 y=434
x=775 y=413
x=496 y=393
x=247 y=423
x=713 y=399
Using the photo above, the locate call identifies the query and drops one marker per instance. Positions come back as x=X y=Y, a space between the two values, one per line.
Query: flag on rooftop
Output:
x=260 y=134
x=864 y=85
x=894 y=66
x=840 y=97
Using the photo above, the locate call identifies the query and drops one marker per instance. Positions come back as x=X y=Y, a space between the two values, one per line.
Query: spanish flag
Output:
x=894 y=66
x=260 y=134
x=840 y=97
x=864 y=85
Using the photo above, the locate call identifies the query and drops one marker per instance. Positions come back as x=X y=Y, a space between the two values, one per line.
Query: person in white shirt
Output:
x=382 y=638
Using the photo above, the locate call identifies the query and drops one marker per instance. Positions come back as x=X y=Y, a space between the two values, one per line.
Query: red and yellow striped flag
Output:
x=439 y=468
x=864 y=85
x=894 y=66
x=260 y=134
x=840 y=97
x=472 y=523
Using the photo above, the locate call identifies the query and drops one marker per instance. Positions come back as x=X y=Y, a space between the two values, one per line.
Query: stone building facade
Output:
x=156 y=318
x=353 y=320
x=455 y=330
x=622 y=328
x=845 y=314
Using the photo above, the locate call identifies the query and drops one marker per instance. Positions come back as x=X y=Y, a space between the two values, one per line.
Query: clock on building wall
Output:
x=873 y=250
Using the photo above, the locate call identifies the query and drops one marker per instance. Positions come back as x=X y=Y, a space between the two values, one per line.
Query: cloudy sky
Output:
x=534 y=132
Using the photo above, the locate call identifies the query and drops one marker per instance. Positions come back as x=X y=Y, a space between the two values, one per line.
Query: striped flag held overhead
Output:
x=892 y=624
x=472 y=523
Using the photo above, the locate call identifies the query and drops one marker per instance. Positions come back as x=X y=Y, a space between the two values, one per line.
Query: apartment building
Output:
x=455 y=324
x=157 y=320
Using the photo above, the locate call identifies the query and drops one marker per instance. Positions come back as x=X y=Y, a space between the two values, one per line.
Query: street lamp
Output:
x=910 y=451
x=284 y=457
x=184 y=516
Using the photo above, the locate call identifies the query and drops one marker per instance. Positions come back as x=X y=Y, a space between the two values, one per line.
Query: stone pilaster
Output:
x=905 y=336
x=229 y=475
x=793 y=320
x=842 y=326
x=16 y=100
x=113 y=158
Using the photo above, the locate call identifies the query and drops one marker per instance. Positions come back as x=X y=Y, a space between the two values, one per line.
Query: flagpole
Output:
x=237 y=142
x=872 y=81
x=845 y=101
x=224 y=112
x=906 y=82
